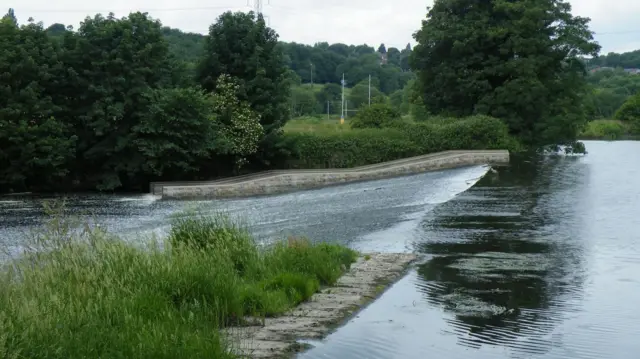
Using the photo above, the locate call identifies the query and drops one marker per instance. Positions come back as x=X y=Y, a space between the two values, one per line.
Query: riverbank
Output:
x=157 y=301
x=273 y=182
x=278 y=337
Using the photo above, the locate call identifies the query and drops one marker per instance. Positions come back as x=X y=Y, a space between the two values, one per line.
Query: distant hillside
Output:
x=319 y=63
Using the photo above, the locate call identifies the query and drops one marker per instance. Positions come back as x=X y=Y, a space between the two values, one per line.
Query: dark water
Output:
x=541 y=261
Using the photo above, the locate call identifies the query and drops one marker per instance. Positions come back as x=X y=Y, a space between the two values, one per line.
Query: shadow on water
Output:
x=505 y=257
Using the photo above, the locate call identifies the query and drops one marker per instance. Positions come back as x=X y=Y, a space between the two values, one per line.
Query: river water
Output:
x=538 y=261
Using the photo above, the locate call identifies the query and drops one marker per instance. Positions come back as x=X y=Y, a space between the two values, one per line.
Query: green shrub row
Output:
x=360 y=147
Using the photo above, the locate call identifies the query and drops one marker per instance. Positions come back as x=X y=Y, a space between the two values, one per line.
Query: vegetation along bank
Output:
x=91 y=294
x=121 y=102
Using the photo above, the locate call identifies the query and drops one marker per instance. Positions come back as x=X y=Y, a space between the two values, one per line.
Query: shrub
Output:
x=629 y=113
x=347 y=148
x=360 y=147
x=604 y=129
x=377 y=115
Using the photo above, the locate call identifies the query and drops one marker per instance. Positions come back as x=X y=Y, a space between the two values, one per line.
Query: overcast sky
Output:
x=308 y=21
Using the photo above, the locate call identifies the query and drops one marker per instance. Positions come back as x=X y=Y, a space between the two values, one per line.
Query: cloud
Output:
x=309 y=21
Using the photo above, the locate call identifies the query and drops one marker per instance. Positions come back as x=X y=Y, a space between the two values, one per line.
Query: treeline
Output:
x=119 y=102
x=109 y=106
x=624 y=60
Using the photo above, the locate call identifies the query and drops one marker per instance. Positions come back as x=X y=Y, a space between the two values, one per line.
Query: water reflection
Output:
x=506 y=256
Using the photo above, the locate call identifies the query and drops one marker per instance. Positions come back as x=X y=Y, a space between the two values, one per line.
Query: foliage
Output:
x=377 y=115
x=610 y=88
x=359 y=96
x=176 y=131
x=625 y=60
x=240 y=126
x=112 y=63
x=94 y=295
x=242 y=46
x=35 y=143
x=629 y=113
x=517 y=61
x=604 y=129
x=359 y=147
x=303 y=101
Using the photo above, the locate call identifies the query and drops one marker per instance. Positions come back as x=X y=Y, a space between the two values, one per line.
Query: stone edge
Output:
x=253 y=342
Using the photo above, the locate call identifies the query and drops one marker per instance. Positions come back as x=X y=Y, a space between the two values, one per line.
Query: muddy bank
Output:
x=331 y=307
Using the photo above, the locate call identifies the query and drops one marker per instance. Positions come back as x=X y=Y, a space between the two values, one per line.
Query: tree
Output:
x=10 y=17
x=111 y=63
x=382 y=49
x=359 y=96
x=176 y=131
x=377 y=115
x=35 y=145
x=329 y=93
x=515 y=60
x=243 y=47
x=303 y=101
x=629 y=113
x=240 y=128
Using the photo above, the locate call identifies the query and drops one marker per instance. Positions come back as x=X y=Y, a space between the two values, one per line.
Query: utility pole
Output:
x=342 y=109
x=369 y=90
x=328 y=112
x=257 y=7
x=346 y=110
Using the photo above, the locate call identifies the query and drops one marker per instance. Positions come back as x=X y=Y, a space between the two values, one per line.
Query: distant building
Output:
x=631 y=70
x=383 y=59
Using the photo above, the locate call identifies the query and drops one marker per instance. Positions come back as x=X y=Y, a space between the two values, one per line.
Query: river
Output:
x=538 y=261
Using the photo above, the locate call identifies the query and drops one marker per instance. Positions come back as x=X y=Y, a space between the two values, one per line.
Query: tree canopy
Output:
x=518 y=61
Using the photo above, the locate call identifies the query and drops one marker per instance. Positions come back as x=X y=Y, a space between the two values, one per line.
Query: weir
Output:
x=282 y=181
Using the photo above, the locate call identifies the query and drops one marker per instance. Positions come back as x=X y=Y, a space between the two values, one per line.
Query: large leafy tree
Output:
x=35 y=145
x=243 y=47
x=517 y=60
x=112 y=63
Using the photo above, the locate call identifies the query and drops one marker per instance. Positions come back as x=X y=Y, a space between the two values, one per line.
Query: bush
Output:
x=94 y=295
x=347 y=148
x=629 y=113
x=604 y=129
x=359 y=147
x=378 y=115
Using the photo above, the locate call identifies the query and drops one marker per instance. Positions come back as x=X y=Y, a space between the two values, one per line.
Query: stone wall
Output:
x=272 y=182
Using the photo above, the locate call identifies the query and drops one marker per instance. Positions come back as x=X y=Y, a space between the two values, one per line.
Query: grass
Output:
x=317 y=124
x=320 y=124
x=92 y=295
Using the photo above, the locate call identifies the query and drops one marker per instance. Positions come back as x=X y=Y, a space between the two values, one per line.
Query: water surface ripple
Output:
x=539 y=261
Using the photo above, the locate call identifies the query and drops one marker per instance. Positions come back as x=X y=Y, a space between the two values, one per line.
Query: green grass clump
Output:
x=93 y=295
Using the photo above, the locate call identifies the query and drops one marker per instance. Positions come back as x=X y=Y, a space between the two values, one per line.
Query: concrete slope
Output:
x=279 y=181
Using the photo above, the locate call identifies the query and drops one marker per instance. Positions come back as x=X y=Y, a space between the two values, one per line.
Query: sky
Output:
x=391 y=22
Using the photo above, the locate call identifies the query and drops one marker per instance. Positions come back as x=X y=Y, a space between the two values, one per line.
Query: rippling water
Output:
x=539 y=261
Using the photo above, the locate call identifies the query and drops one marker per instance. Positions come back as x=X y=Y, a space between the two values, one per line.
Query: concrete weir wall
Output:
x=272 y=182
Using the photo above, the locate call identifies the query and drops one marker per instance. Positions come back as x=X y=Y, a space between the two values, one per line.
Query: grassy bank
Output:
x=608 y=130
x=92 y=295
